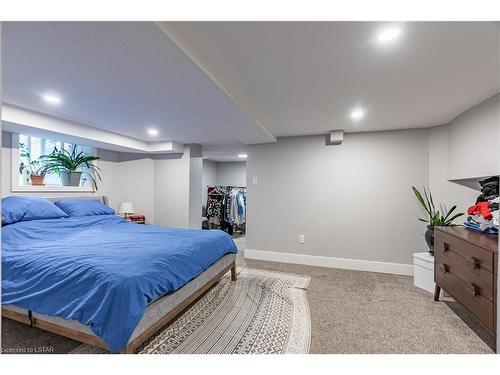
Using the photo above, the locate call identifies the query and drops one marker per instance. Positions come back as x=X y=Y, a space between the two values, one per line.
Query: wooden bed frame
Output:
x=139 y=340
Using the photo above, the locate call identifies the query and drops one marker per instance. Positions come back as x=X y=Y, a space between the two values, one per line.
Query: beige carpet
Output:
x=367 y=312
x=351 y=312
x=262 y=313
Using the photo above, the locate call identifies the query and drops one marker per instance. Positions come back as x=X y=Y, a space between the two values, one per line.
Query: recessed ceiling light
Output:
x=389 y=34
x=357 y=114
x=52 y=99
x=153 y=132
x=243 y=156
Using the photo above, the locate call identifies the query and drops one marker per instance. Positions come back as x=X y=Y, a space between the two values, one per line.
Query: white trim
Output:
x=329 y=262
x=51 y=189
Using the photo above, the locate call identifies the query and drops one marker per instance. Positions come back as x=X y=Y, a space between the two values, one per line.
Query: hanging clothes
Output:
x=226 y=206
x=238 y=209
x=215 y=204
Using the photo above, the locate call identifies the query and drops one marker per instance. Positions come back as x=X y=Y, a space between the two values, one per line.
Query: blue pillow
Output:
x=84 y=207
x=22 y=208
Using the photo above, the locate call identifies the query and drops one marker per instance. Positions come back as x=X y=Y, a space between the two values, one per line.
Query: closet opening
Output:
x=224 y=201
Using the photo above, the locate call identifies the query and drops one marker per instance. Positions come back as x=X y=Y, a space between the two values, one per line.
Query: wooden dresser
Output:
x=466 y=267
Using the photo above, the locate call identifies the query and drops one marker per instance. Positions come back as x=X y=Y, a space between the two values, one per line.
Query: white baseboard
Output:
x=320 y=261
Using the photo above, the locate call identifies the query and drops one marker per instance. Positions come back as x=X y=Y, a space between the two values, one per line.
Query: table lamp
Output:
x=126 y=208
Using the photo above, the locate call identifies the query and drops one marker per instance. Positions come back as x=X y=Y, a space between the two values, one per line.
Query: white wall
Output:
x=134 y=183
x=209 y=177
x=109 y=187
x=128 y=178
x=171 y=190
x=350 y=201
x=473 y=141
x=354 y=200
x=6 y=166
x=463 y=150
x=444 y=191
x=231 y=173
x=166 y=188
x=195 y=186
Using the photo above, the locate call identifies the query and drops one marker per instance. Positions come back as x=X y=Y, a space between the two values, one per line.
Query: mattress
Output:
x=154 y=311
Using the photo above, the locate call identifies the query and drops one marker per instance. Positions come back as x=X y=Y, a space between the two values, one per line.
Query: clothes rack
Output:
x=226 y=207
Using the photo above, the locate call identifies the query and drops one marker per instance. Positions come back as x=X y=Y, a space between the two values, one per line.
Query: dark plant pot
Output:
x=70 y=178
x=37 y=180
x=429 y=238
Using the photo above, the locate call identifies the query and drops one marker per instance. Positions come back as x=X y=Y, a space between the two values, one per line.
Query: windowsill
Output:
x=51 y=189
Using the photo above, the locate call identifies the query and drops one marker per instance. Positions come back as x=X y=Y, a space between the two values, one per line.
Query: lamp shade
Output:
x=126 y=208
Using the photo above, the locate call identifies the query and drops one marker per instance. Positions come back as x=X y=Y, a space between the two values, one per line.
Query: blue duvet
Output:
x=102 y=270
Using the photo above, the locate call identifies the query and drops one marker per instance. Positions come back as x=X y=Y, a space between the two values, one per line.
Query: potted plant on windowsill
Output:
x=34 y=169
x=68 y=165
x=435 y=217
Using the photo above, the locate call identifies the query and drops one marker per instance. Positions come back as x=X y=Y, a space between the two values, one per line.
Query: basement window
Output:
x=28 y=174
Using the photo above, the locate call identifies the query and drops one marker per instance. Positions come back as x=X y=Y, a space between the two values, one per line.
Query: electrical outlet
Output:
x=254 y=180
x=301 y=238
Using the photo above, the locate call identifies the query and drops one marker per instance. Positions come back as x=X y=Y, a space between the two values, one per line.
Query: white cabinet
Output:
x=423 y=271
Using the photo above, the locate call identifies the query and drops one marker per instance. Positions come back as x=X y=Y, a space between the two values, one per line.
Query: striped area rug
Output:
x=262 y=312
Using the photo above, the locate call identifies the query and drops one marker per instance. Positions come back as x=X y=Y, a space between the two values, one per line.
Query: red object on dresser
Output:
x=481 y=208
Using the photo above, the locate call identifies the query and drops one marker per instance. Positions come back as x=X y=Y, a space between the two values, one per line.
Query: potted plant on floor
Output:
x=34 y=170
x=435 y=217
x=68 y=164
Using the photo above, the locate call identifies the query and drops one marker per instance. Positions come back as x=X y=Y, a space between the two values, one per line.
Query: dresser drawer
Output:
x=473 y=254
x=476 y=303
x=472 y=276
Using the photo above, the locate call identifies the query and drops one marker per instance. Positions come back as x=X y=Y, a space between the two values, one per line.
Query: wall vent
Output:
x=335 y=137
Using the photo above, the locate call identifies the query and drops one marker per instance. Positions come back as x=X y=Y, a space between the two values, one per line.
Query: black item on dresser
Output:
x=489 y=189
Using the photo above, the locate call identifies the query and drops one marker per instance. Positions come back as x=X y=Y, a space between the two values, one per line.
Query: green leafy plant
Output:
x=35 y=167
x=435 y=217
x=63 y=160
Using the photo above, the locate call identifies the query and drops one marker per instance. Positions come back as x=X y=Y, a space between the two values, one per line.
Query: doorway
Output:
x=224 y=198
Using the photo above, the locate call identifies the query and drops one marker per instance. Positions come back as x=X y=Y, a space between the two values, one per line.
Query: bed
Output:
x=106 y=282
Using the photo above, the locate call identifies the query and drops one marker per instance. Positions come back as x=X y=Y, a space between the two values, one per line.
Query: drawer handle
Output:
x=446 y=268
x=476 y=289
x=446 y=247
x=477 y=263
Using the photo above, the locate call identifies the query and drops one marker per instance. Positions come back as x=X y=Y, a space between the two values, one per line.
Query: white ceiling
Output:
x=238 y=83
x=124 y=77
x=305 y=77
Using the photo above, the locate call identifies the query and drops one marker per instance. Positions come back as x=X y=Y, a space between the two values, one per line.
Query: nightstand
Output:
x=136 y=219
